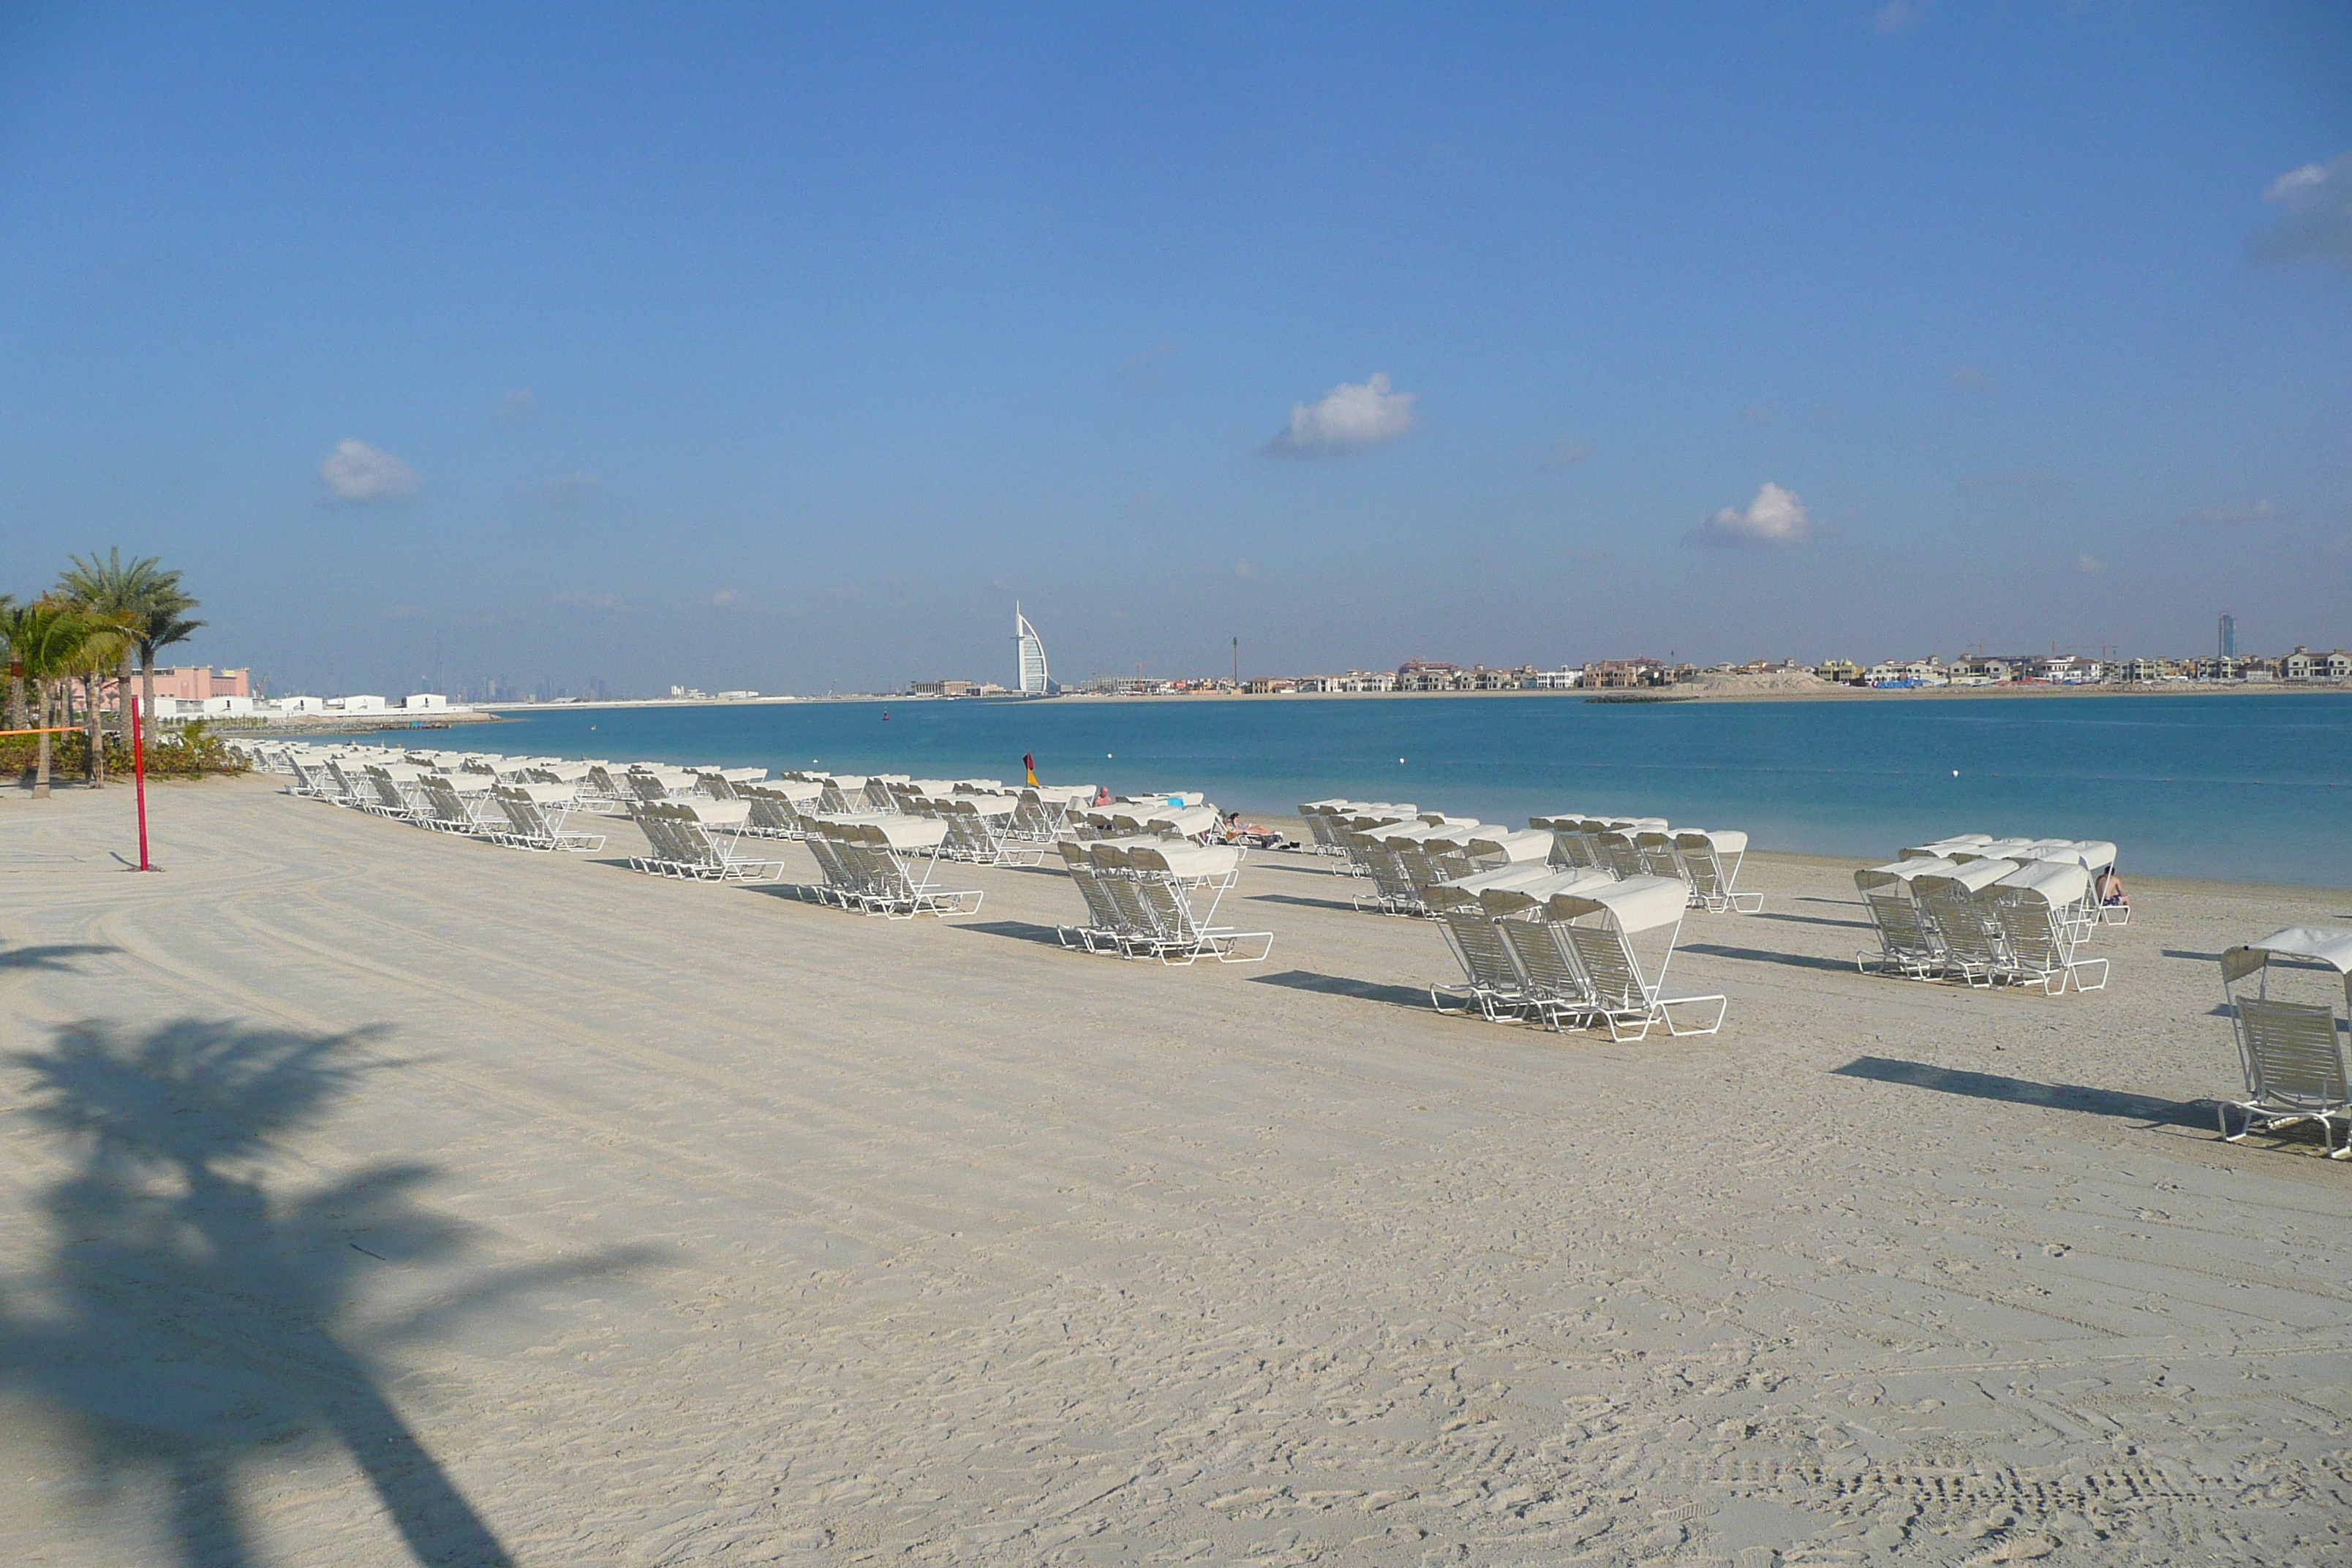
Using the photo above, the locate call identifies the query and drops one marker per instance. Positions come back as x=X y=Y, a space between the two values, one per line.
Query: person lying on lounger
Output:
x=1236 y=831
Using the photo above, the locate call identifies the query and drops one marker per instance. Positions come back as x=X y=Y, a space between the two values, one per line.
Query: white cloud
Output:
x=358 y=474
x=1567 y=449
x=726 y=597
x=2090 y=565
x=1776 y=517
x=2236 y=515
x=2314 y=221
x=517 y=407
x=1245 y=568
x=1969 y=376
x=1349 y=417
x=607 y=602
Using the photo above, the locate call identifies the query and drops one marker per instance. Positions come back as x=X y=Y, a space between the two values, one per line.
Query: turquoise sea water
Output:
x=2253 y=788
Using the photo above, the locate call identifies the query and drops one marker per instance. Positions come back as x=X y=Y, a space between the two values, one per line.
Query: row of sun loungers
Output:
x=1992 y=912
x=877 y=864
x=1149 y=887
x=1984 y=922
x=1565 y=947
x=522 y=809
x=2097 y=857
x=1400 y=852
x=1157 y=898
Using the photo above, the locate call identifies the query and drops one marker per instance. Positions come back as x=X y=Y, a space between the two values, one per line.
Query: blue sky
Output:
x=784 y=348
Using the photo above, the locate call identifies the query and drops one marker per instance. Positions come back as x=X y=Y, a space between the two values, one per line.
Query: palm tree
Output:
x=16 y=677
x=98 y=662
x=145 y=590
x=45 y=638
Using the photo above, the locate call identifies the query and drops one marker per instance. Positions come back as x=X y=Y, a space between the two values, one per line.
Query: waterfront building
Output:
x=1035 y=677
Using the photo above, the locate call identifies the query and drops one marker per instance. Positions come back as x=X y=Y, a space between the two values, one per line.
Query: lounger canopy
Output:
x=897 y=831
x=1725 y=840
x=1635 y=904
x=2056 y=881
x=1513 y=876
x=2328 y=946
x=1539 y=892
x=1972 y=874
x=793 y=789
x=1904 y=871
x=1422 y=831
x=1524 y=843
x=709 y=813
x=906 y=832
x=1184 y=859
x=1190 y=821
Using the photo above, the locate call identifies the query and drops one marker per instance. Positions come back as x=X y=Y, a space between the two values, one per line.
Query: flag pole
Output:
x=139 y=777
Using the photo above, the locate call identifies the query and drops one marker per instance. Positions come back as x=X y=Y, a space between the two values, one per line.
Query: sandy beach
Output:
x=372 y=1196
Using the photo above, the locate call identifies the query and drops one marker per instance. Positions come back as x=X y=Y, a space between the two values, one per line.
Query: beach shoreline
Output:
x=1828 y=691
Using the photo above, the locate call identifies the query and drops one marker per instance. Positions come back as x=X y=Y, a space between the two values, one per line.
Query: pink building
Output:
x=194 y=683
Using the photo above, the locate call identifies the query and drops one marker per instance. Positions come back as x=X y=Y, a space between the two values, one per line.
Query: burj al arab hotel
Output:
x=1034 y=677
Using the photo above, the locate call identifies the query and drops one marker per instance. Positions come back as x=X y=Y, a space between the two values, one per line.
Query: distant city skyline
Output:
x=781 y=350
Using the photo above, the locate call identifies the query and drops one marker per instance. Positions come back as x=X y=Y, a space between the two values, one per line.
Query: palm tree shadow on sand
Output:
x=191 y=1320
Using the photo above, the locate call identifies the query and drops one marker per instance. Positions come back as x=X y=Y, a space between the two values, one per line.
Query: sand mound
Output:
x=1716 y=683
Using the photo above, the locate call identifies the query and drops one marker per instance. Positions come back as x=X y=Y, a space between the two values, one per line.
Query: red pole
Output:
x=138 y=776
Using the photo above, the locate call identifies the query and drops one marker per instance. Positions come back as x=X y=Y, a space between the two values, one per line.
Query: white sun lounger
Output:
x=1107 y=927
x=1492 y=848
x=1553 y=979
x=396 y=792
x=1602 y=928
x=1490 y=984
x=780 y=807
x=698 y=841
x=535 y=814
x=1907 y=940
x=1710 y=864
x=2292 y=1052
x=726 y=783
x=1181 y=886
x=2037 y=909
x=883 y=863
x=462 y=805
x=1967 y=926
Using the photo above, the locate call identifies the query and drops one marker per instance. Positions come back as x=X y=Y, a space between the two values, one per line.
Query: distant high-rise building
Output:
x=1034 y=677
x=2229 y=636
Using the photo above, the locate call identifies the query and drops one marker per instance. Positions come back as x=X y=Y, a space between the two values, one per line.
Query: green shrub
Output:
x=191 y=751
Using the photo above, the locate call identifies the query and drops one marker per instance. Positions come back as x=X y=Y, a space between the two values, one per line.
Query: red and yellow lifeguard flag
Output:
x=1029 y=766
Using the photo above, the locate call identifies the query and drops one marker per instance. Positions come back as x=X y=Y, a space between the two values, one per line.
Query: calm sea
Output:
x=2255 y=788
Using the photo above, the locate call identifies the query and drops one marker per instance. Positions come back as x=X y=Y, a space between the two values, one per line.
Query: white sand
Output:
x=665 y=1223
